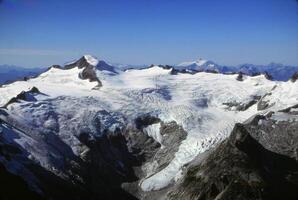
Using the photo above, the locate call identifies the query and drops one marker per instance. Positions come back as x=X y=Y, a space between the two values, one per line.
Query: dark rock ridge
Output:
x=264 y=104
x=289 y=110
x=25 y=96
x=268 y=76
x=258 y=161
x=83 y=63
x=88 y=72
x=242 y=106
x=294 y=77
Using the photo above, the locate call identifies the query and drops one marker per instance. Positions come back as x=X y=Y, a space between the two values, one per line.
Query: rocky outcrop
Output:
x=148 y=149
x=84 y=63
x=263 y=103
x=97 y=173
x=291 y=110
x=258 y=161
x=268 y=76
x=81 y=63
x=109 y=165
x=152 y=155
x=25 y=96
x=294 y=77
x=242 y=106
x=240 y=77
x=89 y=72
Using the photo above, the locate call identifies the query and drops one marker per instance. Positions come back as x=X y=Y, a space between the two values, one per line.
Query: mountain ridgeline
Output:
x=278 y=72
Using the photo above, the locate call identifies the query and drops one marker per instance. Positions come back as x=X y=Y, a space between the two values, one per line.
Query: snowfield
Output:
x=194 y=101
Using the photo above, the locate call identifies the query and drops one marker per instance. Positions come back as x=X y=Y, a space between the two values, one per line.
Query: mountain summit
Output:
x=91 y=62
x=198 y=65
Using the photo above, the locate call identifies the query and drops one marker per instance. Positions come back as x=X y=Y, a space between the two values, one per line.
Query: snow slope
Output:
x=194 y=101
x=91 y=60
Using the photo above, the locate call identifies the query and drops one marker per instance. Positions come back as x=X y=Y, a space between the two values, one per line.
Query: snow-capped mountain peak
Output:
x=91 y=60
x=88 y=61
x=198 y=65
x=198 y=62
x=201 y=61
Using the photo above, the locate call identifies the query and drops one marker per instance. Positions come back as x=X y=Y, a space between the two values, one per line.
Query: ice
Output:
x=154 y=132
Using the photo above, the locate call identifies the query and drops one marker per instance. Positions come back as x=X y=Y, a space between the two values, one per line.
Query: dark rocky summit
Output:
x=88 y=72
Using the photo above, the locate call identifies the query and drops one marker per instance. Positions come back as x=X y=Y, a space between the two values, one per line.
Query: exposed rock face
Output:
x=97 y=174
x=145 y=120
x=291 y=110
x=268 y=76
x=88 y=72
x=294 y=77
x=242 y=106
x=89 y=69
x=81 y=63
x=25 y=96
x=152 y=156
x=263 y=104
x=107 y=164
x=258 y=161
x=15 y=187
x=240 y=77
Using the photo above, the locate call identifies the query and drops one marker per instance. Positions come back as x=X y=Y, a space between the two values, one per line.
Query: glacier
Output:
x=196 y=102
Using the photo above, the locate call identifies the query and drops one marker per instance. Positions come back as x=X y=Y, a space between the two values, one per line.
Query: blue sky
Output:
x=44 y=32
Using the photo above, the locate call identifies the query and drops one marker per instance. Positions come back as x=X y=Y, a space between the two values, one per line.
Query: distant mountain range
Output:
x=10 y=73
x=279 y=72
